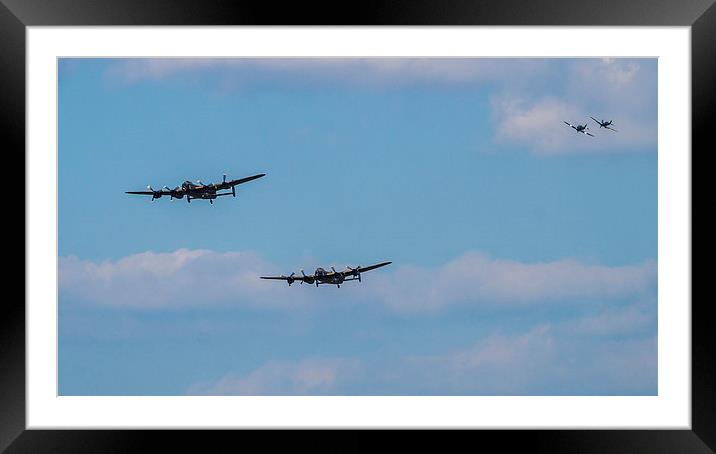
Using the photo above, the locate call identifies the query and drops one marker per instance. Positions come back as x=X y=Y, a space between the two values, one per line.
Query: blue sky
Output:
x=524 y=254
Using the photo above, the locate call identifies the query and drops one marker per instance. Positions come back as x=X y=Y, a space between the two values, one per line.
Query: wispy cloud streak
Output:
x=376 y=72
x=539 y=361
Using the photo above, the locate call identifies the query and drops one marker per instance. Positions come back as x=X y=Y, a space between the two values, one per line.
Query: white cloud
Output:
x=621 y=80
x=539 y=361
x=354 y=71
x=539 y=125
x=199 y=278
x=478 y=280
x=311 y=376
x=183 y=278
x=498 y=364
x=617 y=321
x=533 y=96
x=621 y=90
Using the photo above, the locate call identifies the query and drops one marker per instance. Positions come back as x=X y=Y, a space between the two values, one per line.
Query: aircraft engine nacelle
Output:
x=155 y=194
x=307 y=279
x=178 y=196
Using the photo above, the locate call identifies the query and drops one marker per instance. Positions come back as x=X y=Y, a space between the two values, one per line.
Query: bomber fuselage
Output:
x=328 y=277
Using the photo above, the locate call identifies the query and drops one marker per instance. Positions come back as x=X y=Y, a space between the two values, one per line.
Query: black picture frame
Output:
x=16 y=15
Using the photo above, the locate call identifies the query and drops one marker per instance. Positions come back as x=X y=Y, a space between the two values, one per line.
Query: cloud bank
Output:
x=203 y=278
x=477 y=279
x=532 y=97
x=179 y=279
x=538 y=361
x=604 y=344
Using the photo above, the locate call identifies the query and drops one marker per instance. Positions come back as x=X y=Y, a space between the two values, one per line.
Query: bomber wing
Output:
x=292 y=278
x=232 y=183
x=161 y=191
x=362 y=269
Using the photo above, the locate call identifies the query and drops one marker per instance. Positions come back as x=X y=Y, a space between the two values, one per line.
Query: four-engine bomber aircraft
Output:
x=197 y=190
x=579 y=128
x=604 y=123
x=333 y=277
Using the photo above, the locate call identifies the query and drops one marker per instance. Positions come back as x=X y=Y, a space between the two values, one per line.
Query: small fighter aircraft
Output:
x=604 y=124
x=580 y=128
x=333 y=277
x=197 y=190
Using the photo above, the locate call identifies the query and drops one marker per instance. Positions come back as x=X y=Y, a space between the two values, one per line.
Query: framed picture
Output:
x=511 y=192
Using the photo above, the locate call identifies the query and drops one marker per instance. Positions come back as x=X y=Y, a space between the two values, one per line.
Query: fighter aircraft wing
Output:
x=243 y=180
x=591 y=135
x=598 y=122
x=571 y=125
x=611 y=129
x=363 y=269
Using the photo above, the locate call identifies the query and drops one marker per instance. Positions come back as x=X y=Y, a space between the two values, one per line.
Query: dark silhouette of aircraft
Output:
x=197 y=190
x=604 y=124
x=333 y=277
x=580 y=128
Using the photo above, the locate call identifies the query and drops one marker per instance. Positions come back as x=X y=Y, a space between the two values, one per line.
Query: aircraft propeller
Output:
x=155 y=194
x=355 y=271
x=233 y=188
x=308 y=279
x=291 y=279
